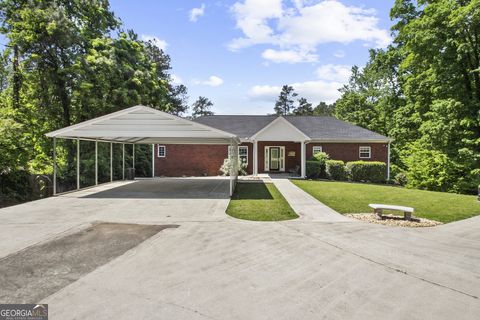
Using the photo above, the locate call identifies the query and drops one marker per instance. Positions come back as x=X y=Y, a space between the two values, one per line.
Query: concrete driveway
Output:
x=216 y=267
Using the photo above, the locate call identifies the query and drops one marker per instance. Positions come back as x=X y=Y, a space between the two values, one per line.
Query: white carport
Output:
x=141 y=125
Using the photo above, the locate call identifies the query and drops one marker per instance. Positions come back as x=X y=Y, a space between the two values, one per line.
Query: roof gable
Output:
x=280 y=130
x=142 y=124
x=244 y=126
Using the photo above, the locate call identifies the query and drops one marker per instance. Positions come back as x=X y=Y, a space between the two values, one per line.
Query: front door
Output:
x=274 y=158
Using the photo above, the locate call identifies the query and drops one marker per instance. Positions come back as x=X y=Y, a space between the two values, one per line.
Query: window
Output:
x=365 y=152
x=316 y=149
x=162 y=151
x=242 y=153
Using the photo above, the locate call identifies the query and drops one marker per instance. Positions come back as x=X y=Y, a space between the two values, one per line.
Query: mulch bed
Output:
x=395 y=221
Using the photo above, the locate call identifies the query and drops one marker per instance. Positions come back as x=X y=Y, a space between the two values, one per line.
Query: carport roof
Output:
x=142 y=124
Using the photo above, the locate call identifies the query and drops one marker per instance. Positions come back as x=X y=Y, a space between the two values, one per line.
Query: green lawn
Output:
x=259 y=202
x=347 y=197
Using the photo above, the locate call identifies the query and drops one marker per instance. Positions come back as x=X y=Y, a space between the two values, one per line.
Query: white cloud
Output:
x=330 y=78
x=288 y=56
x=332 y=72
x=252 y=18
x=315 y=91
x=196 y=13
x=213 y=81
x=161 y=44
x=264 y=92
x=339 y=54
x=305 y=25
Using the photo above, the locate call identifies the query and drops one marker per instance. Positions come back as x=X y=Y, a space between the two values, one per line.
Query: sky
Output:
x=239 y=53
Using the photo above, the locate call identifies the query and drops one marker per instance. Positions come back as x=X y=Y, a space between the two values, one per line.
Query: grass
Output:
x=347 y=197
x=259 y=202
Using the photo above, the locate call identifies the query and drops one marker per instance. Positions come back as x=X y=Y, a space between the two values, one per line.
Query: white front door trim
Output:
x=281 y=156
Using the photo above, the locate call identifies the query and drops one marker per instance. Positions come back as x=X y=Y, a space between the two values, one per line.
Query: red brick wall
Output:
x=195 y=160
x=199 y=160
x=349 y=151
x=290 y=162
x=190 y=160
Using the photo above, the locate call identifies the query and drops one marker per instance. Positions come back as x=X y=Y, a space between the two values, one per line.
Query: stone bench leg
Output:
x=407 y=215
x=378 y=213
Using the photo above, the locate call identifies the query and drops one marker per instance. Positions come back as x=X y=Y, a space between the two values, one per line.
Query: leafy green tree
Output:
x=324 y=109
x=201 y=107
x=286 y=100
x=304 y=108
x=66 y=62
x=178 y=99
x=424 y=91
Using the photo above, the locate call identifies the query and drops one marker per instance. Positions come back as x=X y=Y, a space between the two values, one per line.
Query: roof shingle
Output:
x=316 y=127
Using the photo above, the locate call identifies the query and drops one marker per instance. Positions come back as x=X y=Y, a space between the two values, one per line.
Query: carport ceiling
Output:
x=142 y=124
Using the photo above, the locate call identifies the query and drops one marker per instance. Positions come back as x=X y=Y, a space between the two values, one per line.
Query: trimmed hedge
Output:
x=373 y=171
x=313 y=169
x=321 y=157
x=335 y=170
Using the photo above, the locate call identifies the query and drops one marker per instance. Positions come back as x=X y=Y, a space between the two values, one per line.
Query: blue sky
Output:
x=239 y=53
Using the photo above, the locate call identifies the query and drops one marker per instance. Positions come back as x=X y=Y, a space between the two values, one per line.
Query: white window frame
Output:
x=238 y=151
x=365 y=149
x=318 y=149
x=246 y=154
x=164 y=151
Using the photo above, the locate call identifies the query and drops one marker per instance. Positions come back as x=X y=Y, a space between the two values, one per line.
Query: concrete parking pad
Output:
x=216 y=267
x=40 y=270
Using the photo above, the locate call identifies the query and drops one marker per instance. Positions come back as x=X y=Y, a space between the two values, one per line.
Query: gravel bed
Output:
x=394 y=221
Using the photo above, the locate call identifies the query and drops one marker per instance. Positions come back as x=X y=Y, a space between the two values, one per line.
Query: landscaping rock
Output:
x=395 y=221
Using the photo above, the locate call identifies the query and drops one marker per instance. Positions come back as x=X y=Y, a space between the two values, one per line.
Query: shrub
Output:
x=321 y=157
x=372 y=171
x=335 y=169
x=401 y=179
x=227 y=166
x=313 y=169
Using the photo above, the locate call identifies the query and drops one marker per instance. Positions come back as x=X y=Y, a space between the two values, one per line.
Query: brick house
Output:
x=272 y=144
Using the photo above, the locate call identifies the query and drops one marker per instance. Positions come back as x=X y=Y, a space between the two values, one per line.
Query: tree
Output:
x=304 y=108
x=66 y=62
x=285 y=101
x=324 y=109
x=201 y=107
x=178 y=99
x=424 y=92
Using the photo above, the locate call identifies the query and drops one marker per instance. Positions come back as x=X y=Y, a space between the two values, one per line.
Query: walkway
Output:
x=306 y=206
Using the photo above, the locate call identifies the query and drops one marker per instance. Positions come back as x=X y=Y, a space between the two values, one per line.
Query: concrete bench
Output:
x=378 y=210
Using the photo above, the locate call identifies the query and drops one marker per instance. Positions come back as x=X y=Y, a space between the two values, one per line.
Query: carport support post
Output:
x=78 y=163
x=123 y=161
x=96 y=162
x=133 y=156
x=153 y=160
x=255 y=158
x=54 y=166
x=111 y=161
x=302 y=159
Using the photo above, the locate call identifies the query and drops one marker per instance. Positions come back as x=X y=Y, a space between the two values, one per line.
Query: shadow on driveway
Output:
x=168 y=188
